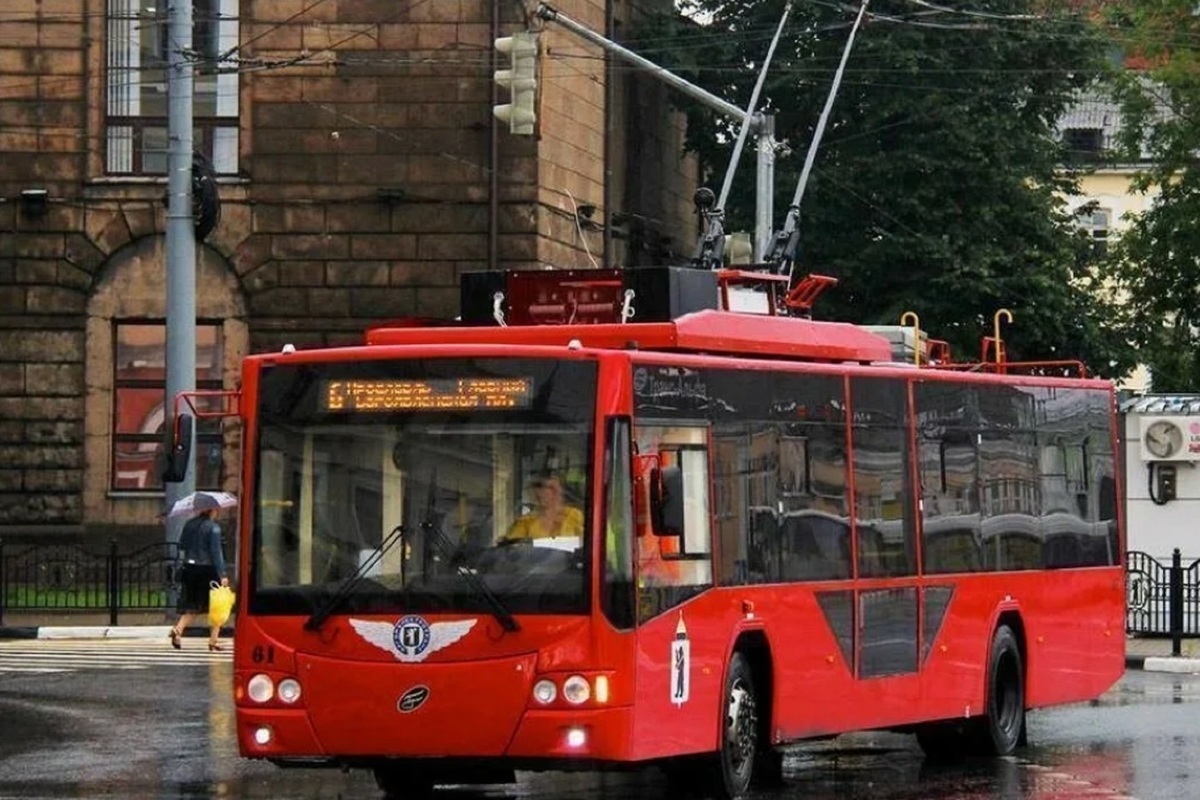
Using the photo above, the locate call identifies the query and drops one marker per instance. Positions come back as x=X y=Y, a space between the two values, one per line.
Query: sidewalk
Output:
x=1154 y=655
x=85 y=625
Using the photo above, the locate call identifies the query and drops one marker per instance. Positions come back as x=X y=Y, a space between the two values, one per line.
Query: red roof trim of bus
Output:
x=709 y=331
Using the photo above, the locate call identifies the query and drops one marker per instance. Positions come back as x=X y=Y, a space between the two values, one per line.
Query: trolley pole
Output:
x=181 y=241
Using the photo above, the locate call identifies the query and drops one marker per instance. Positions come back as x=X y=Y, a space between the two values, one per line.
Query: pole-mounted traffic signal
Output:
x=521 y=79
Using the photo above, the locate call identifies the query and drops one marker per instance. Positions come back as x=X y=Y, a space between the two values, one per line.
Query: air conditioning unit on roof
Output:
x=1169 y=438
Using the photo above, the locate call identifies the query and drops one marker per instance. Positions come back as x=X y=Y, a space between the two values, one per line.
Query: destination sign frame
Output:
x=385 y=395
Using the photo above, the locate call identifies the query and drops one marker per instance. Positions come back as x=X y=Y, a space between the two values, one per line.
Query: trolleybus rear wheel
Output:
x=1003 y=726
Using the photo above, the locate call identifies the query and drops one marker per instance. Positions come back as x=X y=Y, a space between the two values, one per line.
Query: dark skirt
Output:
x=195 y=583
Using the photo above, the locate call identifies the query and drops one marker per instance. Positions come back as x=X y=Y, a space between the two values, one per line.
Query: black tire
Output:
x=739 y=732
x=399 y=783
x=1003 y=726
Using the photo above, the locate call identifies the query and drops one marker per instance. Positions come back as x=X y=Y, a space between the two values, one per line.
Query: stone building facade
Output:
x=361 y=172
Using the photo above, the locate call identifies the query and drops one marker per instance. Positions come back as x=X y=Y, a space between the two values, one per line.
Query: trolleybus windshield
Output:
x=454 y=453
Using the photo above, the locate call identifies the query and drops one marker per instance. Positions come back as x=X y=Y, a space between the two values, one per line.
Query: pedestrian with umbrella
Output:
x=201 y=562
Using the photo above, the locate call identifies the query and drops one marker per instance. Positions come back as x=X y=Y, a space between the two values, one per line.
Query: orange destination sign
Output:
x=434 y=394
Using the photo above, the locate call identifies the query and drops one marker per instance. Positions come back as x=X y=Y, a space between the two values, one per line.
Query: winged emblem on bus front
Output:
x=411 y=638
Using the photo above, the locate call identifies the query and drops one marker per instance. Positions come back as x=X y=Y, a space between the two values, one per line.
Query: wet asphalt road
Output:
x=166 y=732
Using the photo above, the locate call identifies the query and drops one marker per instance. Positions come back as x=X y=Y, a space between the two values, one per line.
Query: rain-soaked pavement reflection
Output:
x=167 y=733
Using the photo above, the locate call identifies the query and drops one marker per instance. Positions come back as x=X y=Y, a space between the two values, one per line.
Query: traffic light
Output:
x=521 y=79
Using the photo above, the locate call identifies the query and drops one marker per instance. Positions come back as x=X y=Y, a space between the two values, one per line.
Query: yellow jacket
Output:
x=530 y=526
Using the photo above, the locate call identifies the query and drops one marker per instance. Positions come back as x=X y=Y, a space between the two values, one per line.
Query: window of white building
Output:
x=1096 y=223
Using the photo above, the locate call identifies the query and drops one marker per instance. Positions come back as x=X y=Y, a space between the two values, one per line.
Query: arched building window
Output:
x=126 y=338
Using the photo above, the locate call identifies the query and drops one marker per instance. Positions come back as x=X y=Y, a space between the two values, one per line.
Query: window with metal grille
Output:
x=139 y=413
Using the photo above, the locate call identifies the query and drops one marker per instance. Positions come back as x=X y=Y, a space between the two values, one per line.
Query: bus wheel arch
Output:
x=994 y=732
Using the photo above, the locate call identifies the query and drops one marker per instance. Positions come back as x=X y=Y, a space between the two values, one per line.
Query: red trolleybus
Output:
x=780 y=532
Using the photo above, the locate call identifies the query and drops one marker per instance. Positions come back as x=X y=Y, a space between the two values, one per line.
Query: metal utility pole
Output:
x=711 y=251
x=550 y=14
x=181 y=241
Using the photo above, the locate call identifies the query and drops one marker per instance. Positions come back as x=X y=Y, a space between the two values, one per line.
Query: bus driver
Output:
x=552 y=517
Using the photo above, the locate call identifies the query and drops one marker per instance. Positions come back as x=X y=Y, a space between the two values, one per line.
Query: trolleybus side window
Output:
x=1008 y=477
x=780 y=484
x=949 y=476
x=882 y=495
x=1076 y=465
x=816 y=541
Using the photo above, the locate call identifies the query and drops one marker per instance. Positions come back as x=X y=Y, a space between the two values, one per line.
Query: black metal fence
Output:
x=72 y=577
x=1162 y=599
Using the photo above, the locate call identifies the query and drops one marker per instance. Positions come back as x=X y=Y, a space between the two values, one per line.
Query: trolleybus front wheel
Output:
x=739 y=731
x=725 y=774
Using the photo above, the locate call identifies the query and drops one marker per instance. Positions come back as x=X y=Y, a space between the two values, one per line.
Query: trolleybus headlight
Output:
x=260 y=688
x=545 y=691
x=576 y=689
x=289 y=690
x=601 y=688
x=262 y=736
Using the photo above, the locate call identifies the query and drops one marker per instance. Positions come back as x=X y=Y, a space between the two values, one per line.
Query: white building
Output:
x=1107 y=201
x=1162 y=475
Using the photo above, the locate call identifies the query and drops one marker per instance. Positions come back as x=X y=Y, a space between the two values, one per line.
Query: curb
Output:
x=1176 y=664
x=102 y=632
x=1135 y=662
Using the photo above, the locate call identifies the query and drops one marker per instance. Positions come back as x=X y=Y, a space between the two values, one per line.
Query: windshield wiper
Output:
x=507 y=621
x=318 y=617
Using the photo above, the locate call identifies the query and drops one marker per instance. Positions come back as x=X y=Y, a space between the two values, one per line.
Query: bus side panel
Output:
x=1075 y=634
x=1074 y=639
x=674 y=719
x=815 y=689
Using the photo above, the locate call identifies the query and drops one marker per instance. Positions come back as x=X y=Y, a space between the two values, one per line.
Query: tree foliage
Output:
x=1156 y=264
x=938 y=187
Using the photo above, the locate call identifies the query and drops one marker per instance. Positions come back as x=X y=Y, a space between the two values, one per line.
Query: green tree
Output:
x=1156 y=264
x=938 y=187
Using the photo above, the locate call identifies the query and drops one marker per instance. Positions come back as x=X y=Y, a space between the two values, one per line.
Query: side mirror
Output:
x=178 y=450
x=669 y=505
x=645 y=470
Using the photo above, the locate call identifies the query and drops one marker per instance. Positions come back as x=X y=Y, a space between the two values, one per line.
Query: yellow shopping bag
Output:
x=220 y=604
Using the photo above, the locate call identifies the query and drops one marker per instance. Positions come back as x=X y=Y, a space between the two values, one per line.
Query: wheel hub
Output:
x=741 y=726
